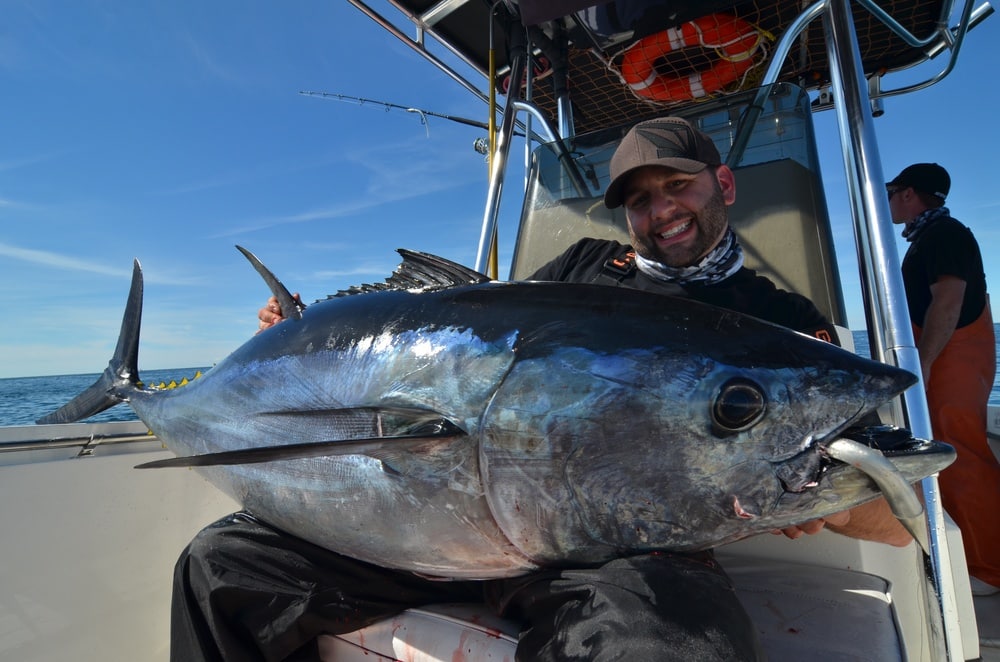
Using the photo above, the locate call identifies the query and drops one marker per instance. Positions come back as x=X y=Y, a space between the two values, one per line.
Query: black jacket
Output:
x=593 y=261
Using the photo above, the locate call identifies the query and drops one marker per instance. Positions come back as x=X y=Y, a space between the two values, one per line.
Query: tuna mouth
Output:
x=805 y=470
x=892 y=457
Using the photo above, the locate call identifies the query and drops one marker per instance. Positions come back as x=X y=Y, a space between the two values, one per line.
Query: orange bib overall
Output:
x=957 y=396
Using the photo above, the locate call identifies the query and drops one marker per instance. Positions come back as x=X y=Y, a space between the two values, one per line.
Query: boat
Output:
x=109 y=535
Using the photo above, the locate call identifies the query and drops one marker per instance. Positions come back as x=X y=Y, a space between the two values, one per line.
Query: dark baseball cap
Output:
x=667 y=141
x=926 y=177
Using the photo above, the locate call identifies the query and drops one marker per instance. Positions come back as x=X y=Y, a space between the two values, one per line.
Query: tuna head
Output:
x=691 y=437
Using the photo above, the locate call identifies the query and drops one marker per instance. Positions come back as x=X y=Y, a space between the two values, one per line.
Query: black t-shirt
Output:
x=591 y=261
x=944 y=248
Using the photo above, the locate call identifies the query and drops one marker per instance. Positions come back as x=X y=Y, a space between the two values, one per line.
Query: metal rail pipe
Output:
x=884 y=295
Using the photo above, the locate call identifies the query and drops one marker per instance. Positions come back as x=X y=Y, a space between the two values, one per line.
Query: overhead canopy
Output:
x=596 y=35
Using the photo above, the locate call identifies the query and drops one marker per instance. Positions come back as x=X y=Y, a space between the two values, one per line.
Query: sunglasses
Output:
x=893 y=191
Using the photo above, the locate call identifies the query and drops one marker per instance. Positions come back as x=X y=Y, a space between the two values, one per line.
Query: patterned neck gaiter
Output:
x=722 y=262
x=920 y=223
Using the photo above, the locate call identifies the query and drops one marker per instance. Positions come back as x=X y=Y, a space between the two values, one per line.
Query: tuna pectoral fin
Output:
x=380 y=448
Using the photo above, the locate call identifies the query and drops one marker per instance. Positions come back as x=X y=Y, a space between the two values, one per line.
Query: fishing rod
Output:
x=389 y=106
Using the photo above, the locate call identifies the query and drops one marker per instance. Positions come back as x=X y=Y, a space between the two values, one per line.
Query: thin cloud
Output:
x=339 y=210
x=989 y=205
x=399 y=172
x=255 y=173
x=14 y=164
x=368 y=269
x=417 y=167
x=67 y=263
x=335 y=211
x=208 y=63
x=49 y=259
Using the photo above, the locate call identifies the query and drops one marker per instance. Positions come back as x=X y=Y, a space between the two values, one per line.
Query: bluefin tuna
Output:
x=454 y=426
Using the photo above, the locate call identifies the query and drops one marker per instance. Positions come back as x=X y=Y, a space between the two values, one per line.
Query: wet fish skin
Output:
x=487 y=429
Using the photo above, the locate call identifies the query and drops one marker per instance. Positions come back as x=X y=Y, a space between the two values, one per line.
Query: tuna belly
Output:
x=427 y=516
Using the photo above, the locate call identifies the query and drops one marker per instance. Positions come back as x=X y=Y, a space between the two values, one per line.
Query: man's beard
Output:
x=711 y=223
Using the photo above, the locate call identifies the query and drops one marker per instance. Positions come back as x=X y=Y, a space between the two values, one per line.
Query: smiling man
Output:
x=676 y=192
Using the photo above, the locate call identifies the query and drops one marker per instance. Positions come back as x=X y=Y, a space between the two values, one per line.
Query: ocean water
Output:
x=24 y=399
x=861 y=347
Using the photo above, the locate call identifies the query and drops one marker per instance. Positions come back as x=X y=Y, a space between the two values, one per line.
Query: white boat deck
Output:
x=108 y=536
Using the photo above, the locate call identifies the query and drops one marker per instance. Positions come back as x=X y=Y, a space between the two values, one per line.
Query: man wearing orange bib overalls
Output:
x=950 y=311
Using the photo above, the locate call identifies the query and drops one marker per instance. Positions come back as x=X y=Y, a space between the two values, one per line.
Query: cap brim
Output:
x=614 y=194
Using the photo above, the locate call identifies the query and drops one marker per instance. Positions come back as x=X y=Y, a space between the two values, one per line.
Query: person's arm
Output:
x=870 y=521
x=940 y=320
x=873 y=521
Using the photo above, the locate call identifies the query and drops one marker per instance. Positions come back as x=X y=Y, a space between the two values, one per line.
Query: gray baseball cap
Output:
x=667 y=141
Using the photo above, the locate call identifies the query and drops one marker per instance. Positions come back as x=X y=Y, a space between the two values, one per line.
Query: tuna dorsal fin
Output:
x=421 y=271
x=290 y=308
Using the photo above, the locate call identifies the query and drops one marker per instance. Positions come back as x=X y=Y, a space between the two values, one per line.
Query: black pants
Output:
x=245 y=591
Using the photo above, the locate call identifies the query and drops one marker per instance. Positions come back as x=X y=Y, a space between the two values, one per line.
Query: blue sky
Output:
x=170 y=131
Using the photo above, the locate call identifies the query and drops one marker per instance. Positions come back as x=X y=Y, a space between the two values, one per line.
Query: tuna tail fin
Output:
x=122 y=374
x=290 y=308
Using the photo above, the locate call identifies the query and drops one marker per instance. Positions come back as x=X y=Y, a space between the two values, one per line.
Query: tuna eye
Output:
x=739 y=405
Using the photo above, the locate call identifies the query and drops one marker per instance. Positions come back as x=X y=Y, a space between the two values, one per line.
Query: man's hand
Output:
x=814 y=526
x=869 y=521
x=270 y=314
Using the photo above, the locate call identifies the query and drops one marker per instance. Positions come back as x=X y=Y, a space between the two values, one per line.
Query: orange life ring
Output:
x=734 y=40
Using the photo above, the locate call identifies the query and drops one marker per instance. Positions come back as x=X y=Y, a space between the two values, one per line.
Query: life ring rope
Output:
x=735 y=42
